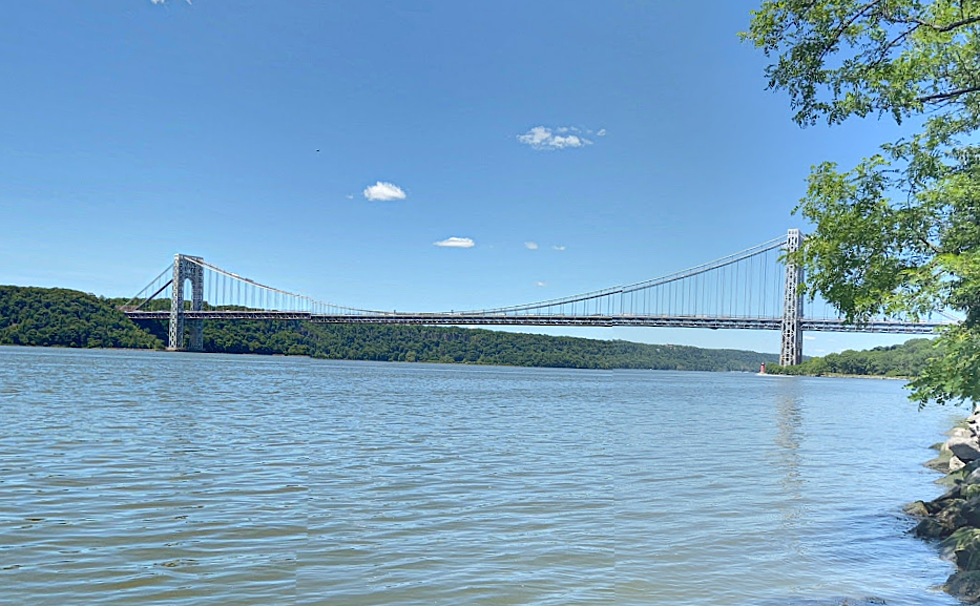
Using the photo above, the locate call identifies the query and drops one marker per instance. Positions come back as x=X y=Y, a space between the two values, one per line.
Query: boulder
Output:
x=929 y=528
x=959 y=432
x=964 y=585
x=969 y=491
x=917 y=509
x=955 y=464
x=952 y=516
x=970 y=511
x=966 y=449
x=958 y=477
x=940 y=463
x=963 y=548
x=937 y=505
x=972 y=478
x=943 y=523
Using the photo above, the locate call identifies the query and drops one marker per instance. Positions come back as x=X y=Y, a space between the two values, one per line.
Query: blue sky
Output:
x=326 y=147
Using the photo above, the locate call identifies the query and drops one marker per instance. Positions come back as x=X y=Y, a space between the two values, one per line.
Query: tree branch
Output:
x=948 y=95
x=942 y=28
x=835 y=38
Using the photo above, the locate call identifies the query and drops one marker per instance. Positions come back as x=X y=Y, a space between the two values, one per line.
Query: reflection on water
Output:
x=143 y=477
x=789 y=437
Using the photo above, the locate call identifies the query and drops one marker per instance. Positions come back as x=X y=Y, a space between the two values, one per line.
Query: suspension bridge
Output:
x=752 y=289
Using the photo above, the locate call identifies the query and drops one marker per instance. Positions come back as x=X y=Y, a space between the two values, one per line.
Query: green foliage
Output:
x=899 y=234
x=38 y=316
x=457 y=345
x=66 y=318
x=906 y=360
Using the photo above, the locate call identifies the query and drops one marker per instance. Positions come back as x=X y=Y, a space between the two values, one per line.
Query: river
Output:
x=161 y=478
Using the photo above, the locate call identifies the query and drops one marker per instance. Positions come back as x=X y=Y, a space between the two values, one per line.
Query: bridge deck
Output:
x=714 y=323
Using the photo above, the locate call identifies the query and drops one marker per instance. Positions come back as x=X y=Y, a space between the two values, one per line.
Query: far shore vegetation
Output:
x=904 y=361
x=53 y=317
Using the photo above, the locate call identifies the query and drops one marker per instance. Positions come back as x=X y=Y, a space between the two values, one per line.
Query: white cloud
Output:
x=350 y=196
x=809 y=338
x=558 y=248
x=165 y=1
x=531 y=245
x=540 y=284
x=384 y=192
x=544 y=138
x=455 y=242
x=601 y=133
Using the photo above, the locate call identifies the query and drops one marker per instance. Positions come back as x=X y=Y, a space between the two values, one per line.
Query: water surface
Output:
x=160 y=478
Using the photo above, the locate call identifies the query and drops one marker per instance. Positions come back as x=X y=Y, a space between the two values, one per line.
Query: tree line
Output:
x=905 y=360
x=66 y=318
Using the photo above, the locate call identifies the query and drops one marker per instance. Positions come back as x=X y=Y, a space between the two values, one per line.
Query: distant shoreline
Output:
x=51 y=317
x=835 y=375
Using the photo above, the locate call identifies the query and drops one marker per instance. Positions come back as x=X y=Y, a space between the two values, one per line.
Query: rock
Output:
x=969 y=491
x=964 y=448
x=963 y=548
x=970 y=512
x=917 y=509
x=937 y=505
x=957 y=477
x=931 y=529
x=940 y=463
x=964 y=585
x=943 y=523
x=974 y=418
x=972 y=478
x=952 y=516
x=955 y=464
x=959 y=432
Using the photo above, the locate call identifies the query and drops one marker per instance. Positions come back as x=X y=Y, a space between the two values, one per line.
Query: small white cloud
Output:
x=558 y=248
x=809 y=338
x=540 y=284
x=544 y=138
x=531 y=245
x=383 y=192
x=455 y=242
x=601 y=133
x=350 y=196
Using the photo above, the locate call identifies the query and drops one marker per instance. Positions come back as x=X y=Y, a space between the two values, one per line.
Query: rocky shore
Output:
x=954 y=518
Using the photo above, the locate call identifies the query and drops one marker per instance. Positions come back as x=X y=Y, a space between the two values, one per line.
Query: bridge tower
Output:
x=791 y=351
x=186 y=269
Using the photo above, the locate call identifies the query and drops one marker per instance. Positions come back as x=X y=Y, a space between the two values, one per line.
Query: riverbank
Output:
x=894 y=362
x=46 y=317
x=954 y=518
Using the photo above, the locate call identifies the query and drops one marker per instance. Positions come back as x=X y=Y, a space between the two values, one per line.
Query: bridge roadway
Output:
x=452 y=319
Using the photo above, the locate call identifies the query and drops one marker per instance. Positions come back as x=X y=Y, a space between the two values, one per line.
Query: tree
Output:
x=898 y=234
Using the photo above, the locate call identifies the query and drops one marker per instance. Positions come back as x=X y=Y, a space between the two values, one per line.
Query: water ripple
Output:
x=150 y=478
